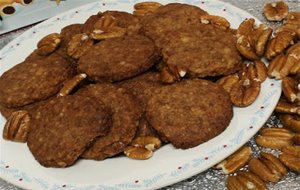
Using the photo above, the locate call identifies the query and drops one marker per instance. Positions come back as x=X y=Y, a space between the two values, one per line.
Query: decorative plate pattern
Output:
x=168 y=165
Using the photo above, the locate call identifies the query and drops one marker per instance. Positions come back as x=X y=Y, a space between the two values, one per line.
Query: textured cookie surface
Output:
x=34 y=80
x=202 y=50
x=126 y=114
x=62 y=129
x=118 y=58
x=190 y=112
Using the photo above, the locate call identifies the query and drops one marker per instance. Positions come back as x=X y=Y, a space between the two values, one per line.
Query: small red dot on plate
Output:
x=202 y=2
x=64 y=186
x=206 y=158
x=251 y=127
x=6 y=166
x=262 y=107
x=224 y=9
x=76 y=12
x=224 y=145
x=20 y=179
x=136 y=181
x=272 y=84
x=57 y=18
x=34 y=32
x=179 y=167
x=103 y=4
x=17 y=44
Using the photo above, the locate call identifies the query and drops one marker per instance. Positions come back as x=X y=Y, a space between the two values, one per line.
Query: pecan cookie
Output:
x=61 y=129
x=126 y=114
x=190 y=112
x=116 y=59
x=35 y=80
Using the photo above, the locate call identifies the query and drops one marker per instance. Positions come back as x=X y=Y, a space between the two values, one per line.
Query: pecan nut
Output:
x=251 y=180
x=261 y=70
x=171 y=74
x=276 y=138
x=245 y=91
x=296 y=139
x=286 y=107
x=215 y=20
x=291 y=158
x=138 y=153
x=71 y=84
x=17 y=126
x=48 y=44
x=276 y=65
x=78 y=45
x=290 y=89
x=148 y=142
x=276 y=11
x=235 y=161
x=290 y=121
x=227 y=82
x=267 y=167
x=144 y=8
x=279 y=43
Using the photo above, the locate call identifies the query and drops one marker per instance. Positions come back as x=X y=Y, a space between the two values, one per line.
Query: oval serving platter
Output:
x=168 y=165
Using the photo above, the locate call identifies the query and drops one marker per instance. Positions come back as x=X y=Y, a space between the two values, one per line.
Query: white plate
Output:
x=168 y=165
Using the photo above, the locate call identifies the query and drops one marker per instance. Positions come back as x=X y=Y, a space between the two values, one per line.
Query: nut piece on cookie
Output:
x=267 y=167
x=71 y=84
x=48 y=44
x=78 y=45
x=215 y=20
x=276 y=11
x=276 y=138
x=236 y=161
x=17 y=126
x=145 y=8
x=245 y=180
x=291 y=157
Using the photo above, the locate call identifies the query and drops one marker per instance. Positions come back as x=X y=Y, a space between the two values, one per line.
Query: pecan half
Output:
x=79 y=45
x=291 y=158
x=275 y=68
x=262 y=40
x=235 y=161
x=290 y=89
x=290 y=121
x=138 y=153
x=293 y=18
x=144 y=8
x=245 y=91
x=148 y=142
x=215 y=20
x=276 y=138
x=276 y=11
x=17 y=126
x=279 y=43
x=71 y=84
x=251 y=180
x=286 y=107
x=267 y=167
x=233 y=183
x=48 y=44
x=228 y=81
x=245 y=49
x=171 y=74
x=296 y=139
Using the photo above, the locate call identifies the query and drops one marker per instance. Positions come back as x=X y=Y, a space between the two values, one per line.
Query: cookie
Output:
x=64 y=127
x=143 y=87
x=123 y=19
x=35 y=80
x=202 y=50
x=168 y=18
x=190 y=112
x=126 y=114
x=117 y=59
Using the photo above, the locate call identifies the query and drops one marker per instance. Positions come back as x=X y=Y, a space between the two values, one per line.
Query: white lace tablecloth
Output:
x=210 y=179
